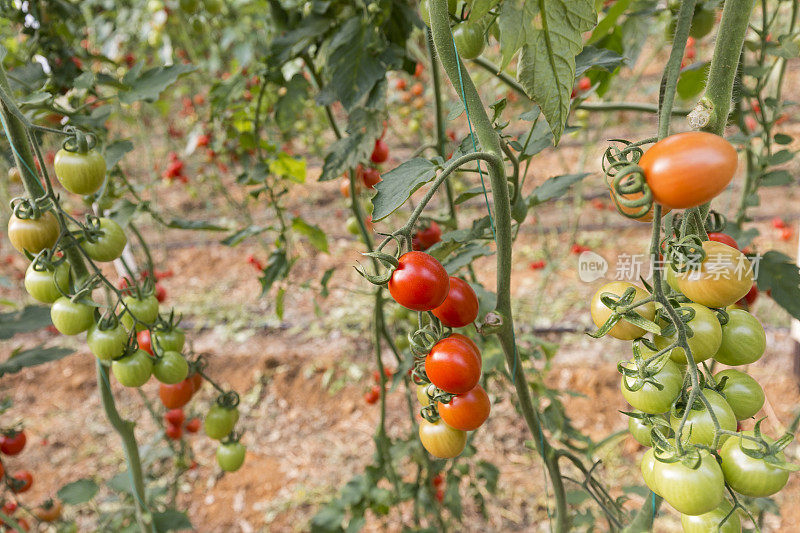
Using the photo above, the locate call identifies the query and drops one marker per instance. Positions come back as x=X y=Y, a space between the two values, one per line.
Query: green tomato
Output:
x=748 y=475
x=133 y=370
x=44 y=285
x=401 y=342
x=705 y=340
x=702 y=23
x=220 y=421
x=699 y=422
x=469 y=40
x=144 y=310
x=743 y=393
x=639 y=431
x=743 y=339
x=691 y=491
x=107 y=344
x=171 y=368
x=109 y=244
x=352 y=226
x=71 y=318
x=169 y=340
x=80 y=173
x=649 y=399
x=230 y=456
x=713 y=521
x=647 y=467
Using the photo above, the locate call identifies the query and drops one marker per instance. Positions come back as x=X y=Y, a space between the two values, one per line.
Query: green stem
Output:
x=490 y=142
x=125 y=430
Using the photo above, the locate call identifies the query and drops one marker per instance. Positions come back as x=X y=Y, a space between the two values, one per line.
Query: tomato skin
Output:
x=743 y=339
x=639 y=431
x=193 y=425
x=169 y=340
x=49 y=512
x=743 y=393
x=469 y=40
x=197 y=382
x=420 y=282
x=700 y=423
x=724 y=238
x=109 y=243
x=691 y=491
x=428 y=236
x=176 y=396
x=649 y=399
x=71 y=318
x=175 y=417
x=33 y=235
x=723 y=278
x=688 y=169
x=145 y=311
x=749 y=298
x=747 y=475
x=711 y=521
x=705 y=341
x=13 y=443
x=133 y=370
x=220 y=421
x=144 y=340
x=80 y=173
x=171 y=368
x=468 y=411
x=44 y=285
x=107 y=344
x=27 y=478
x=453 y=366
x=230 y=456
x=173 y=432
x=440 y=440
x=647 y=467
x=422 y=394
x=380 y=153
x=469 y=342
x=460 y=308
x=623 y=329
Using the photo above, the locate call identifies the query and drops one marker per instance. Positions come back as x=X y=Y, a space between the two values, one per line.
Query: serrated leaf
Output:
x=777 y=272
x=287 y=166
x=149 y=84
x=32 y=357
x=555 y=187
x=316 y=236
x=515 y=21
x=397 y=185
x=547 y=62
x=171 y=520
x=78 y=492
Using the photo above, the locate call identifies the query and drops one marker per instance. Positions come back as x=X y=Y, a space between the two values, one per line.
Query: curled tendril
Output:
x=389 y=261
x=47 y=260
x=78 y=141
x=228 y=399
x=629 y=191
x=640 y=371
x=715 y=222
x=418 y=375
x=430 y=413
x=25 y=208
x=722 y=316
x=623 y=309
x=685 y=314
x=423 y=339
x=684 y=253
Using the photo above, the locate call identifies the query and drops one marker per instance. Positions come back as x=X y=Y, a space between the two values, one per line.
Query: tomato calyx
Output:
x=228 y=400
x=656 y=423
x=78 y=141
x=686 y=315
x=387 y=260
x=623 y=308
x=643 y=370
x=684 y=253
x=435 y=396
x=770 y=453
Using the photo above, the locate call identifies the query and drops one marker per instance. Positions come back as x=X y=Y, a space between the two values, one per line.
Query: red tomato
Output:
x=420 y=282
x=9 y=507
x=751 y=296
x=778 y=223
x=175 y=417
x=724 y=238
x=418 y=70
x=469 y=342
x=437 y=480
x=400 y=84
x=371 y=177
x=460 y=307
x=174 y=432
x=143 y=338
x=161 y=293
x=453 y=366
x=577 y=249
x=786 y=234
x=23 y=481
x=13 y=443
x=176 y=396
x=428 y=236
x=373 y=395
x=380 y=153
x=584 y=84
x=439 y=495
x=197 y=382
x=468 y=411
x=538 y=265
x=417 y=89
x=193 y=425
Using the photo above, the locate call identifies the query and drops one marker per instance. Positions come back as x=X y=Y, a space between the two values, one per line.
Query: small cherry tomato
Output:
x=22 y=482
x=743 y=339
x=428 y=236
x=108 y=245
x=220 y=421
x=144 y=339
x=419 y=282
x=71 y=318
x=380 y=152
x=453 y=366
x=80 y=173
x=751 y=476
x=724 y=238
x=723 y=277
x=460 y=308
x=133 y=370
x=193 y=425
x=175 y=396
x=49 y=511
x=174 y=432
x=623 y=329
x=467 y=411
x=33 y=234
x=441 y=440
x=175 y=417
x=230 y=456
x=171 y=368
x=13 y=442
x=371 y=177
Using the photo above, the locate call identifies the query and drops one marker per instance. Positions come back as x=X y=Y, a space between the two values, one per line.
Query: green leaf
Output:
x=480 y=7
x=121 y=483
x=202 y=225
x=775 y=178
x=115 y=151
x=291 y=105
x=692 y=80
x=30 y=318
x=555 y=187
x=465 y=256
x=316 y=236
x=287 y=166
x=780 y=157
x=277 y=268
x=78 y=492
x=302 y=35
x=609 y=22
x=515 y=21
x=547 y=62
x=242 y=234
x=782 y=138
x=602 y=58
x=32 y=357
x=399 y=184
x=171 y=520
x=329 y=519
x=149 y=84
x=326 y=277
x=777 y=272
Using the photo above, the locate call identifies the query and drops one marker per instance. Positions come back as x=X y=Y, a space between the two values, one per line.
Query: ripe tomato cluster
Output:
x=130 y=336
x=448 y=373
x=692 y=473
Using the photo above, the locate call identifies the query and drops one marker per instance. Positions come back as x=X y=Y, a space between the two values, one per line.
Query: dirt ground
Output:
x=302 y=378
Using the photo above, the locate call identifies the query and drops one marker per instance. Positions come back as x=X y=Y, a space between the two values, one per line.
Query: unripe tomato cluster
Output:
x=448 y=377
x=654 y=384
x=130 y=337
